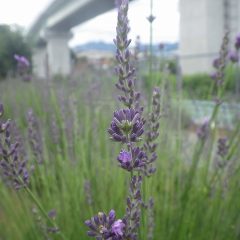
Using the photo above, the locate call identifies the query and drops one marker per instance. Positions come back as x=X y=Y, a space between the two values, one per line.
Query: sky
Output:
x=102 y=28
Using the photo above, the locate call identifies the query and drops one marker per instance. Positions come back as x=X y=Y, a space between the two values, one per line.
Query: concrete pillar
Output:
x=58 y=52
x=201 y=32
x=40 y=64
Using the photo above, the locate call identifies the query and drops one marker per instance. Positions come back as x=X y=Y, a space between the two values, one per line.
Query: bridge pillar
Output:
x=58 y=52
x=40 y=61
x=40 y=65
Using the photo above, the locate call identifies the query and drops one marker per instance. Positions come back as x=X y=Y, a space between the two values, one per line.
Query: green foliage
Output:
x=11 y=42
x=199 y=86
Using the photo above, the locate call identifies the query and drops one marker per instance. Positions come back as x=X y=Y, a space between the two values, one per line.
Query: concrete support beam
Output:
x=203 y=24
x=201 y=32
x=58 y=52
x=40 y=62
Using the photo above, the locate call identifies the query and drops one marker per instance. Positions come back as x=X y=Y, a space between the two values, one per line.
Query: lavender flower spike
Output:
x=223 y=146
x=203 y=130
x=152 y=132
x=124 y=70
x=12 y=166
x=22 y=61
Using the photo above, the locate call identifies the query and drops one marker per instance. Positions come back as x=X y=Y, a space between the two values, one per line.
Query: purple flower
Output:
x=52 y=213
x=214 y=76
x=233 y=56
x=117 y=227
x=131 y=161
x=237 y=42
x=125 y=158
x=126 y=126
x=216 y=63
x=104 y=226
x=22 y=61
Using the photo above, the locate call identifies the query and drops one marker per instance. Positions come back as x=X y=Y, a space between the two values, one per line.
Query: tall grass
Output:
x=192 y=201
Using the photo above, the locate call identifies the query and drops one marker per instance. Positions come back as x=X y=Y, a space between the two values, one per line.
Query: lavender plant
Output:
x=23 y=67
x=127 y=128
x=14 y=169
x=34 y=137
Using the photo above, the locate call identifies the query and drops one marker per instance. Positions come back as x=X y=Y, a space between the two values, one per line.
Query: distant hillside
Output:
x=103 y=46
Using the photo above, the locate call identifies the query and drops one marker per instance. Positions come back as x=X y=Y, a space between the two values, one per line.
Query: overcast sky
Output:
x=102 y=28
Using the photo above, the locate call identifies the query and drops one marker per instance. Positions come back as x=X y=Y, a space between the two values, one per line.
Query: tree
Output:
x=12 y=42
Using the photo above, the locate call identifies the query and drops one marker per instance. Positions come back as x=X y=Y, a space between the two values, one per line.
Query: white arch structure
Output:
x=52 y=56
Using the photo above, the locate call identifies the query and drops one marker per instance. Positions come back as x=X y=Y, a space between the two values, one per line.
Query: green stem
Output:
x=34 y=199
x=151 y=44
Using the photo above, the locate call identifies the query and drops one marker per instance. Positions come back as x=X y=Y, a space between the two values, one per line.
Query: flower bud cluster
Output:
x=104 y=226
x=127 y=126
x=133 y=160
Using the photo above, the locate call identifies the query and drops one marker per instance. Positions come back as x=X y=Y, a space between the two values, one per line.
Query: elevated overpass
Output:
x=52 y=31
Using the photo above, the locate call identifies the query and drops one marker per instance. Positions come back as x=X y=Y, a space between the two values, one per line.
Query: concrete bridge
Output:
x=52 y=31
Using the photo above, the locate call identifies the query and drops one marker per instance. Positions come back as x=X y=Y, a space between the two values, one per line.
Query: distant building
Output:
x=98 y=58
x=202 y=27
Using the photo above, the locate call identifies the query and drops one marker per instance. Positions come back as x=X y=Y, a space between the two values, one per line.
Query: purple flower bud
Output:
x=216 y=63
x=214 y=76
x=233 y=56
x=237 y=42
x=111 y=215
x=125 y=160
x=129 y=161
x=52 y=213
